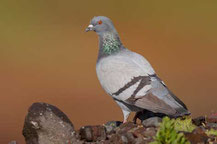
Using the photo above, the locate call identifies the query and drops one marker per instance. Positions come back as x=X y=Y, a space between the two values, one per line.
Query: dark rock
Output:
x=152 y=122
x=211 y=125
x=145 y=133
x=111 y=126
x=93 y=133
x=133 y=134
x=129 y=133
x=46 y=124
x=140 y=141
x=139 y=132
x=114 y=139
x=150 y=133
x=199 y=120
x=13 y=142
x=126 y=127
x=212 y=118
x=125 y=138
x=199 y=130
x=197 y=136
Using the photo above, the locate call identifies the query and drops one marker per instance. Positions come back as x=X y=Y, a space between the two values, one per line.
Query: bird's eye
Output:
x=100 y=22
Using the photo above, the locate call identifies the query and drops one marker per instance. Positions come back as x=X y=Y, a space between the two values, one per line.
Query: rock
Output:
x=212 y=118
x=128 y=138
x=133 y=134
x=111 y=126
x=125 y=127
x=211 y=126
x=13 y=142
x=130 y=133
x=146 y=134
x=139 y=132
x=150 y=133
x=46 y=124
x=125 y=138
x=114 y=139
x=93 y=133
x=152 y=122
x=199 y=120
x=140 y=141
x=197 y=136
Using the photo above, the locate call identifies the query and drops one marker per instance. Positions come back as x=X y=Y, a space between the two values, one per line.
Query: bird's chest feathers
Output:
x=107 y=73
x=114 y=73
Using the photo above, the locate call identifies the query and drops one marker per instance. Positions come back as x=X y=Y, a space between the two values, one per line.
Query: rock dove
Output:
x=129 y=78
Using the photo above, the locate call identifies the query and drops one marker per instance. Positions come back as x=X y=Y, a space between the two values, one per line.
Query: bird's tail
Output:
x=180 y=112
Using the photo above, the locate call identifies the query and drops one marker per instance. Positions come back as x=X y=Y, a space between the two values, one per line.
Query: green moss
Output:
x=184 y=125
x=211 y=132
x=167 y=133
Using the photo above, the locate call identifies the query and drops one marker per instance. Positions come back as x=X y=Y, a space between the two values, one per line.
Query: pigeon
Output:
x=129 y=78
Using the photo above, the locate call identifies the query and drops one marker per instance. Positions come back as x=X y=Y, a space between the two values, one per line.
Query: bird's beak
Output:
x=89 y=28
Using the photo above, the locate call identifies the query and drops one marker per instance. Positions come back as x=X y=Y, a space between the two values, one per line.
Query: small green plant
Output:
x=167 y=133
x=185 y=124
x=211 y=132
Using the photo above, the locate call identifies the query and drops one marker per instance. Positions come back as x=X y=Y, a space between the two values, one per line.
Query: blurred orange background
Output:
x=46 y=56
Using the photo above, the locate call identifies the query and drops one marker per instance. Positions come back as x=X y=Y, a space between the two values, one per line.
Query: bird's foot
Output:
x=135 y=117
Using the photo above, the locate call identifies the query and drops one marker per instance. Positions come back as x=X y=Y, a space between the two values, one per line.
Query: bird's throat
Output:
x=110 y=43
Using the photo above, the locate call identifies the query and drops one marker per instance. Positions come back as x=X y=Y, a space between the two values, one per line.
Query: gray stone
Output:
x=125 y=127
x=111 y=126
x=12 y=142
x=152 y=122
x=46 y=124
x=128 y=138
x=125 y=138
x=212 y=118
x=93 y=133
x=145 y=132
x=211 y=125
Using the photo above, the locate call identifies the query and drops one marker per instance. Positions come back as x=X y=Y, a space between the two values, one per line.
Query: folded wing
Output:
x=131 y=79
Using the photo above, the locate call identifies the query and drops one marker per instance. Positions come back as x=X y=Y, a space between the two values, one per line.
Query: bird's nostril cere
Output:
x=89 y=28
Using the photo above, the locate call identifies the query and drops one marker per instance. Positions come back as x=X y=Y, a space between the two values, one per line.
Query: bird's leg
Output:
x=142 y=115
x=126 y=115
x=136 y=116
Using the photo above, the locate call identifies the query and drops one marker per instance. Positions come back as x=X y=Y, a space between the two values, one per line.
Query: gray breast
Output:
x=115 y=71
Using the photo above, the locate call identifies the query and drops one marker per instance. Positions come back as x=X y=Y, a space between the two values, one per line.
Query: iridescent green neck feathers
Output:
x=110 y=43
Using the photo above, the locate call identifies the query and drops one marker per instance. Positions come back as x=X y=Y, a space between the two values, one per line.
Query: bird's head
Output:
x=100 y=25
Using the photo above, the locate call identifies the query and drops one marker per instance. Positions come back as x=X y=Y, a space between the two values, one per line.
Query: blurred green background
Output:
x=45 y=55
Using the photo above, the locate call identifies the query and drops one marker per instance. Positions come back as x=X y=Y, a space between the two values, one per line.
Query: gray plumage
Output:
x=129 y=78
